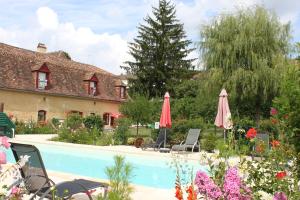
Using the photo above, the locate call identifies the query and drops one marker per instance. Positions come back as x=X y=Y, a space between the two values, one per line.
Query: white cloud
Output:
x=108 y=51
x=47 y=18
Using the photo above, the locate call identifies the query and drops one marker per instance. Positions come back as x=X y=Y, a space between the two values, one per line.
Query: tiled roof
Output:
x=66 y=76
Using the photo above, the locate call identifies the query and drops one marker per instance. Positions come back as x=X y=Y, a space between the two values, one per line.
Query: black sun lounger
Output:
x=38 y=183
x=158 y=143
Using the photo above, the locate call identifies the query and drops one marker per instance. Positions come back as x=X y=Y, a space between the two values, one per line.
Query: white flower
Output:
x=23 y=160
x=265 y=196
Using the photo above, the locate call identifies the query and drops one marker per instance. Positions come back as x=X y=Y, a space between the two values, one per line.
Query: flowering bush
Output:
x=12 y=173
x=206 y=186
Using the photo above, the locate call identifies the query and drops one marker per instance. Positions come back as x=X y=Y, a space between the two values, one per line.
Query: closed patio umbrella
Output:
x=165 y=117
x=223 y=118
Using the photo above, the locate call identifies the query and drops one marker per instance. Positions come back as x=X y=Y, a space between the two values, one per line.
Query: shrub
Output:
x=122 y=132
x=33 y=128
x=93 y=121
x=130 y=141
x=105 y=139
x=148 y=140
x=55 y=122
x=245 y=123
x=268 y=126
x=74 y=121
x=181 y=127
x=209 y=142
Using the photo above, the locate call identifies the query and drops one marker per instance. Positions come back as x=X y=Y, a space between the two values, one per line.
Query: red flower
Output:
x=274 y=121
x=273 y=111
x=275 y=143
x=191 y=193
x=286 y=116
x=251 y=133
x=178 y=193
x=280 y=175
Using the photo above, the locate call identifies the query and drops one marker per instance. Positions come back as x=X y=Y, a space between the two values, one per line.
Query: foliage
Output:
x=268 y=126
x=248 y=47
x=105 y=139
x=79 y=136
x=183 y=125
x=93 y=121
x=55 y=122
x=33 y=128
x=122 y=131
x=130 y=141
x=138 y=110
x=277 y=172
x=74 y=121
x=119 y=177
x=159 y=53
x=209 y=142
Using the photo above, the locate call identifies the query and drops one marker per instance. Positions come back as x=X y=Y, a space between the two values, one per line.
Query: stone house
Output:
x=38 y=86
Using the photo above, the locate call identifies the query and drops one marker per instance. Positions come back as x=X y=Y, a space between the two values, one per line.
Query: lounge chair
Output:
x=158 y=143
x=191 y=141
x=36 y=180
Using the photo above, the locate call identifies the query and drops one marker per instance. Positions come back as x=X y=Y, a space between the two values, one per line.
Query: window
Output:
x=122 y=92
x=106 y=118
x=42 y=80
x=41 y=116
x=93 y=88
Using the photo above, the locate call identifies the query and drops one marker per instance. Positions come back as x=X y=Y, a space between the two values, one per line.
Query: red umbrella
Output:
x=165 y=117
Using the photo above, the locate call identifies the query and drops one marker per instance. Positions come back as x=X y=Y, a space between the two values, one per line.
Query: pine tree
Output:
x=159 y=52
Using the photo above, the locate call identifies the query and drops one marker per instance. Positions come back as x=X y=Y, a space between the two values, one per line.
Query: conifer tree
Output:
x=159 y=53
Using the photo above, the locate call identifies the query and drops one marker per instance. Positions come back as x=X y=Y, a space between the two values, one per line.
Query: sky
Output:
x=97 y=32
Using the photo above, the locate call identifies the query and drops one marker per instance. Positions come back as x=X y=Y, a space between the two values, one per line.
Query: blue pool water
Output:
x=148 y=170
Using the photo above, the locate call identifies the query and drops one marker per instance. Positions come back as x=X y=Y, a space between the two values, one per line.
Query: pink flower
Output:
x=273 y=111
x=206 y=186
x=4 y=142
x=234 y=189
x=2 y=158
x=280 y=196
x=15 y=190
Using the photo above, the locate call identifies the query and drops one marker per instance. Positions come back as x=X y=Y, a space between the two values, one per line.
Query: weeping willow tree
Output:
x=250 y=48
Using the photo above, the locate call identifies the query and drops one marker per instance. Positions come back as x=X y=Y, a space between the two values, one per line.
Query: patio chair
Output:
x=264 y=137
x=158 y=143
x=191 y=141
x=38 y=183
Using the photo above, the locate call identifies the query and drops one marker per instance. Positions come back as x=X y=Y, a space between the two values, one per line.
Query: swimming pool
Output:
x=148 y=170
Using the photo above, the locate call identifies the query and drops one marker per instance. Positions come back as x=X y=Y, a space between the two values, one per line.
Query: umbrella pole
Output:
x=165 y=137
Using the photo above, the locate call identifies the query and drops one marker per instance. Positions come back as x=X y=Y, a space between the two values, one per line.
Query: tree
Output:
x=138 y=109
x=159 y=52
x=249 y=46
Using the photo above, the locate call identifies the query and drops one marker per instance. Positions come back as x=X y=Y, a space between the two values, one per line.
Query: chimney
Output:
x=41 y=48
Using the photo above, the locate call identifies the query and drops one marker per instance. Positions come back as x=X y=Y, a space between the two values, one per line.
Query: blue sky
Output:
x=98 y=31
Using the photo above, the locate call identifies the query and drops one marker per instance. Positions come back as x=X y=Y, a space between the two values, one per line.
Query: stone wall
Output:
x=24 y=106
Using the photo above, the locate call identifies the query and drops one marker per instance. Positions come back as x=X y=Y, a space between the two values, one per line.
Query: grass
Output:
x=143 y=132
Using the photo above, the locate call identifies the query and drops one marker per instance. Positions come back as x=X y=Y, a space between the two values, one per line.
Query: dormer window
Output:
x=42 y=76
x=122 y=92
x=42 y=80
x=91 y=82
x=93 y=88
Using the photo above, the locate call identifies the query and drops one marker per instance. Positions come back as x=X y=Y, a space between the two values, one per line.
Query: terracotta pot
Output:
x=138 y=142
